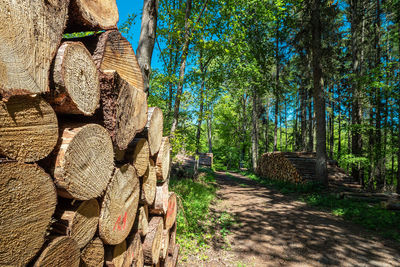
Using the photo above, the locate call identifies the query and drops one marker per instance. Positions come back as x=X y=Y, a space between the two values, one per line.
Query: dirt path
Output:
x=272 y=229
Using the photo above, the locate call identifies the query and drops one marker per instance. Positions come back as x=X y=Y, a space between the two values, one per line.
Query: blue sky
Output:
x=126 y=7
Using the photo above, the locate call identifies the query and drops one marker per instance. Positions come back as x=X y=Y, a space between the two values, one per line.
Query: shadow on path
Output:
x=276 y=230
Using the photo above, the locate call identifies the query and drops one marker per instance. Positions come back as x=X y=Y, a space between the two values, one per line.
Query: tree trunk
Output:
x=320 y=166
x=62 y=251
x=152 y=241
x=138 y=154
x=26 y=192
x=119 y=206
x=276 y=123
x=31 y=33
x=209 y=133
x=163 y=160
x=154 y=129
x=185 y=52
x=200 y=118
x=111 y=51
x=88 y=15
x=254 y=132
x=170 y=216
x=149 y=183
x=123 y=108
x=267 y=127
x=310 y=146
x=75 y=81
x=147 y=39
x=82 y=163
x=77 y=220
x=93 y=254
x=28 y=128
x=303 y=118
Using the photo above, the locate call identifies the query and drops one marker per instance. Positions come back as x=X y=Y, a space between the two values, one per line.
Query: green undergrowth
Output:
x=370 y=216
x=194 y=198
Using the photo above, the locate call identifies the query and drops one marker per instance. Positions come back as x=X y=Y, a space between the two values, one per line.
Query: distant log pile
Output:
x=275 y=166
x=84 y=166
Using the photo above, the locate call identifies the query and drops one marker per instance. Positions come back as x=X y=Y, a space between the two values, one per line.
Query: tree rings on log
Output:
x=92 y=15
x=30 y=33
x=27 y=202
x=170 y=216
x=163 y=160
x=152 y=241
x=114 y=52
x=84 y=162
x=93 y=254
x=119 y=205
x=154 y=129
x=160 y=205
x=149 y=184
x=172 y=260
x=28 y=128
x=123 y=108
x=115 y=255
x=76 y=85
x=134 y=255
x=62 y=251
x=142 y=221
x=138 y=155
x=78 y=220
x=165 y=244
x=172 y=240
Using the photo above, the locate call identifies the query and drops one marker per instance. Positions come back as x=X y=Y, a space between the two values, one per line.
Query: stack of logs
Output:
x=275 y=165
x=85 y=167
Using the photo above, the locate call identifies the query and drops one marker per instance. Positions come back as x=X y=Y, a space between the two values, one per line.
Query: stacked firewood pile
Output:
x=275 y=165
x=84 y=166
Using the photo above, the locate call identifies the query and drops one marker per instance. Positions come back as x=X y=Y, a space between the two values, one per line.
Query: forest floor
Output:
x=272 y=229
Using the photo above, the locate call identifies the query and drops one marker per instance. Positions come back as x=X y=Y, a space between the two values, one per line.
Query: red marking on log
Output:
x=124 y=220
x=117 y=223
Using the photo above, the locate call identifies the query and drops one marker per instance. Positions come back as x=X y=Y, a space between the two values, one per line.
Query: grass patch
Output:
x=195 y=197
x=371 y=216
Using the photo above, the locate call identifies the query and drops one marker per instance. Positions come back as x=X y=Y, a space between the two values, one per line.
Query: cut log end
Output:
x=76 y=86
x=116 y=255
x=154 y=129
x=160 y=205
x=163 y=160
x=93 y=254
x=142 y=221
x=172 y=260
x=26 y=192
x=138 y=155
x=62 y=251
x=28 y=128
x=114 y=52
x=84 y=162
x=170 y=216
x=149 y=184
x=134 y=256
x=152 y=241
x=92 y=15
x=119 y=205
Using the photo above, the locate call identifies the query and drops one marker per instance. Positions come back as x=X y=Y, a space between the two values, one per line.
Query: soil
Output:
x=272 y=229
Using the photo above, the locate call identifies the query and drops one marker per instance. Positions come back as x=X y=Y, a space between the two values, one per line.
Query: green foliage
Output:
x=79 y=34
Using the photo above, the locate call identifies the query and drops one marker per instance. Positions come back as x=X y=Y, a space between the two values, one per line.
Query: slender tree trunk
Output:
x=310 y=146
x=320 y=166
x=185 y=52
x=267 y=127
x=276 y=123
x=203 y=70
x=209 y=132
x=147 y=39
x=254 y=135
x=303 y=118
x=286 y=129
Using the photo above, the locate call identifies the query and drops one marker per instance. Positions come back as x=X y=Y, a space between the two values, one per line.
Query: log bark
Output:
x=163 y=160
x=119 y=206
x=89 y=15
x=134 y=255
x=160 y=205
x=93 y=254
x=27 y=201
x=83 y=162
x=172 y=240
x=170 y=216
x=28 y=128
x=123 y=108
x=114 y=52
x=138 y=155
x=62 y=251
x=142 y=221
x=164 y=244
x=153 y=131
x=172 y=261
x=77 y=220
x=149 y=183
x=152 y=241
x=115 y=255
x=75 y=81
x=31 y=32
